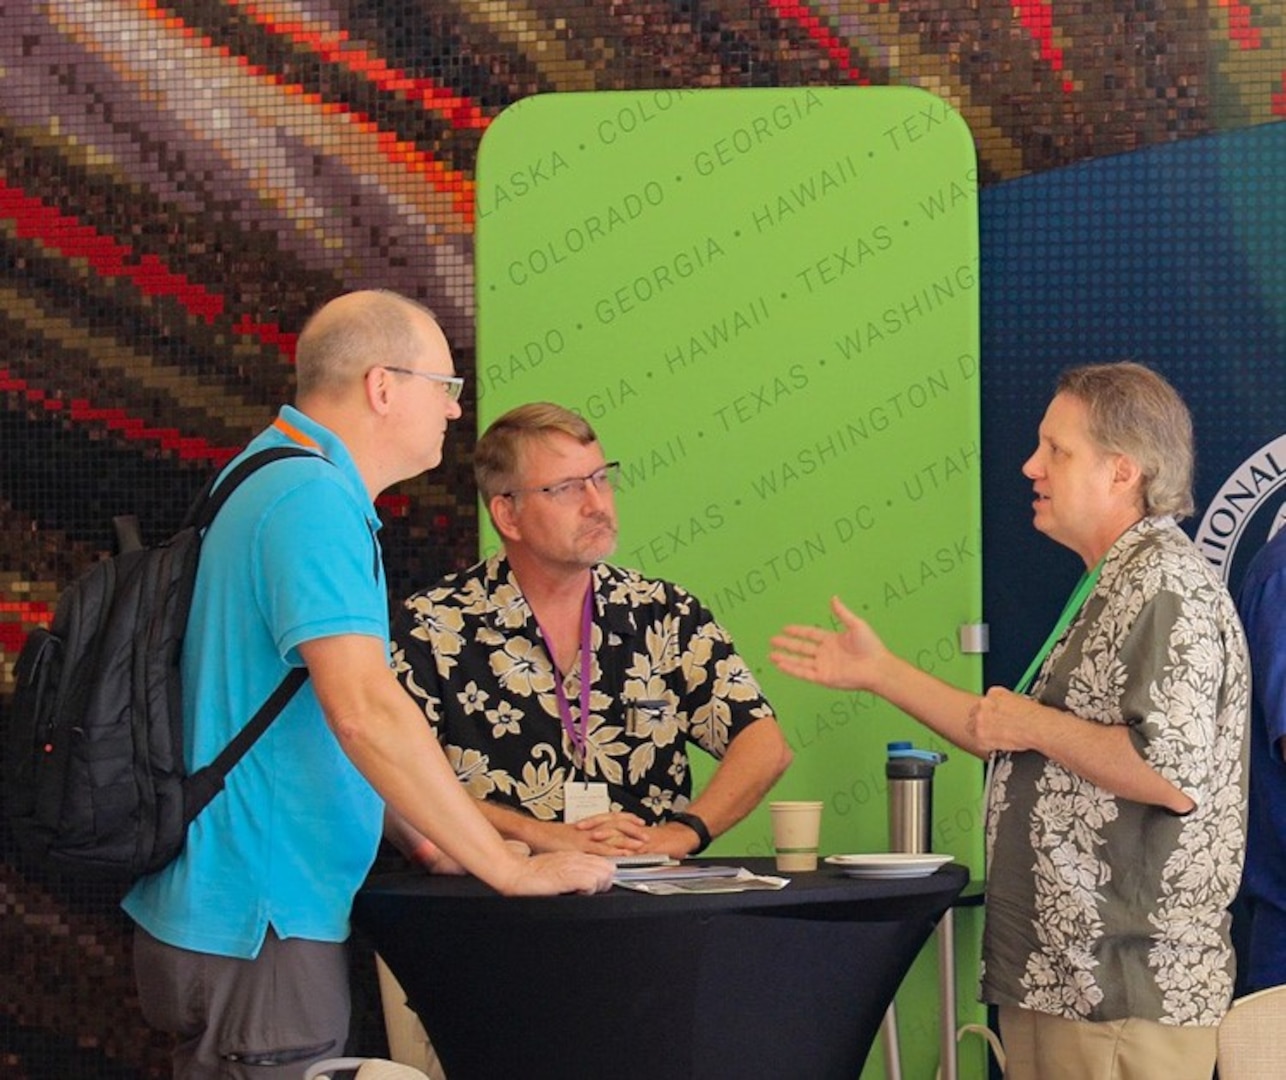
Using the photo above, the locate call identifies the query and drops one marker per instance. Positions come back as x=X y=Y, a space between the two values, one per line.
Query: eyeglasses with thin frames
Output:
x=452 y=385
x=603 y=480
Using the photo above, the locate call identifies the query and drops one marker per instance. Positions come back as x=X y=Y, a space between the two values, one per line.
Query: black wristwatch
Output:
x=697 y=826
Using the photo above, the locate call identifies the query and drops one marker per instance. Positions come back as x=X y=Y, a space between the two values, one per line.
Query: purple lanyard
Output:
x=578 y=734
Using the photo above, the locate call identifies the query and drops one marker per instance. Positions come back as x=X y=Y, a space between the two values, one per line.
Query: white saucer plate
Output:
x=888 y=864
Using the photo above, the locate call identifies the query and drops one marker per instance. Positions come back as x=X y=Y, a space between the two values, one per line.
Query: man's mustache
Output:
x=597 y=520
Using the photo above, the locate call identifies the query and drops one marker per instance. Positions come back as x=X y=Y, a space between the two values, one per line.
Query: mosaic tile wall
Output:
x=181 y=184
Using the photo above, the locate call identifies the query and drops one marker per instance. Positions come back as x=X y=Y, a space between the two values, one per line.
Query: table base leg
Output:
x=949 y=1067
x=889 y=1044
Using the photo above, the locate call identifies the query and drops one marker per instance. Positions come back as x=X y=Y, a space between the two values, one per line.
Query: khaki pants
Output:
x=1043 y=1047
x=261 y=1019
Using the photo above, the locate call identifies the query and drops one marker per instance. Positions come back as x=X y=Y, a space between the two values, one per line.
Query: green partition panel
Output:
x=766 y=302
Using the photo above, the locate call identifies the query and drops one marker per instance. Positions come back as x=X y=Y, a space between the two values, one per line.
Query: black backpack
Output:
x=93 y=770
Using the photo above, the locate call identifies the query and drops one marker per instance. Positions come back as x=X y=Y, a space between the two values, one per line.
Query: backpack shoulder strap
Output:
x=202 y=786
x=210 y=500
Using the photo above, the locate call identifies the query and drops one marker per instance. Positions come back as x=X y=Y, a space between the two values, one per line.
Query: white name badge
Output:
x=581 y=799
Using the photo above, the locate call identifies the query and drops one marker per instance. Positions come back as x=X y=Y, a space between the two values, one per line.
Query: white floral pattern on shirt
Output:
x=1100 y=908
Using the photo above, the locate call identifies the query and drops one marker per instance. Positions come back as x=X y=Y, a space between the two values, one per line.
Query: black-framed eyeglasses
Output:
x=602 y=480
x=452 y=385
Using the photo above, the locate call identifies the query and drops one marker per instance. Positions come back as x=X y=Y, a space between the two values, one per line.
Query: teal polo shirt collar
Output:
x=331 y=447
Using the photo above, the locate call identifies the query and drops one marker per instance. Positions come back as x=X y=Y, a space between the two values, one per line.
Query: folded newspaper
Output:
x=674 y=879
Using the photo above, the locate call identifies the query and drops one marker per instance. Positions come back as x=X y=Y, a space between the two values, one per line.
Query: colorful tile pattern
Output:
x=180 y=184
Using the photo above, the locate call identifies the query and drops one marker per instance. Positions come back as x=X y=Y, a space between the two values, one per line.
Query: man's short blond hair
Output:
x=497 y=459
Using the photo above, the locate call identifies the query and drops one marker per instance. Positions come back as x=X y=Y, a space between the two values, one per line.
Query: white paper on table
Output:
x=742 y=881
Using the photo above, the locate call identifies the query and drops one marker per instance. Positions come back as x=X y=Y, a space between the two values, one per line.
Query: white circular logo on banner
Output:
x=1246 y=513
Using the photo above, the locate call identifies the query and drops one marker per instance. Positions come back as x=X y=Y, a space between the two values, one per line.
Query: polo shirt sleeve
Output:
x=319 y=571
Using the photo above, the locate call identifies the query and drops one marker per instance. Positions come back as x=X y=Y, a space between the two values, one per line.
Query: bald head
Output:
x=354 y=333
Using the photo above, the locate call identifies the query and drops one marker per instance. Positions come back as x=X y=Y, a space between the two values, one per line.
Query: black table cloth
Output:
x=783 y=984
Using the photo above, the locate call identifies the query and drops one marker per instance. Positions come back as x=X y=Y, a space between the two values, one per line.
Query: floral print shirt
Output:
x=663 y=673
x=1100 y=908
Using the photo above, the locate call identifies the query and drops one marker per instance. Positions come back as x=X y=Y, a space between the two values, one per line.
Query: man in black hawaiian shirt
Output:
x=565 y=690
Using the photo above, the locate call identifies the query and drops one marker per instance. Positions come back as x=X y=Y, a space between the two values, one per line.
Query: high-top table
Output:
x=792 y=983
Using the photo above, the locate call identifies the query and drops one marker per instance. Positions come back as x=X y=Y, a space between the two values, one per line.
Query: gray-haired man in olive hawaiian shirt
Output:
x=565 y=690
x=1117 y=805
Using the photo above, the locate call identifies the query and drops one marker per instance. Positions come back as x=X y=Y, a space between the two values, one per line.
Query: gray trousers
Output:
x=263 y=1019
